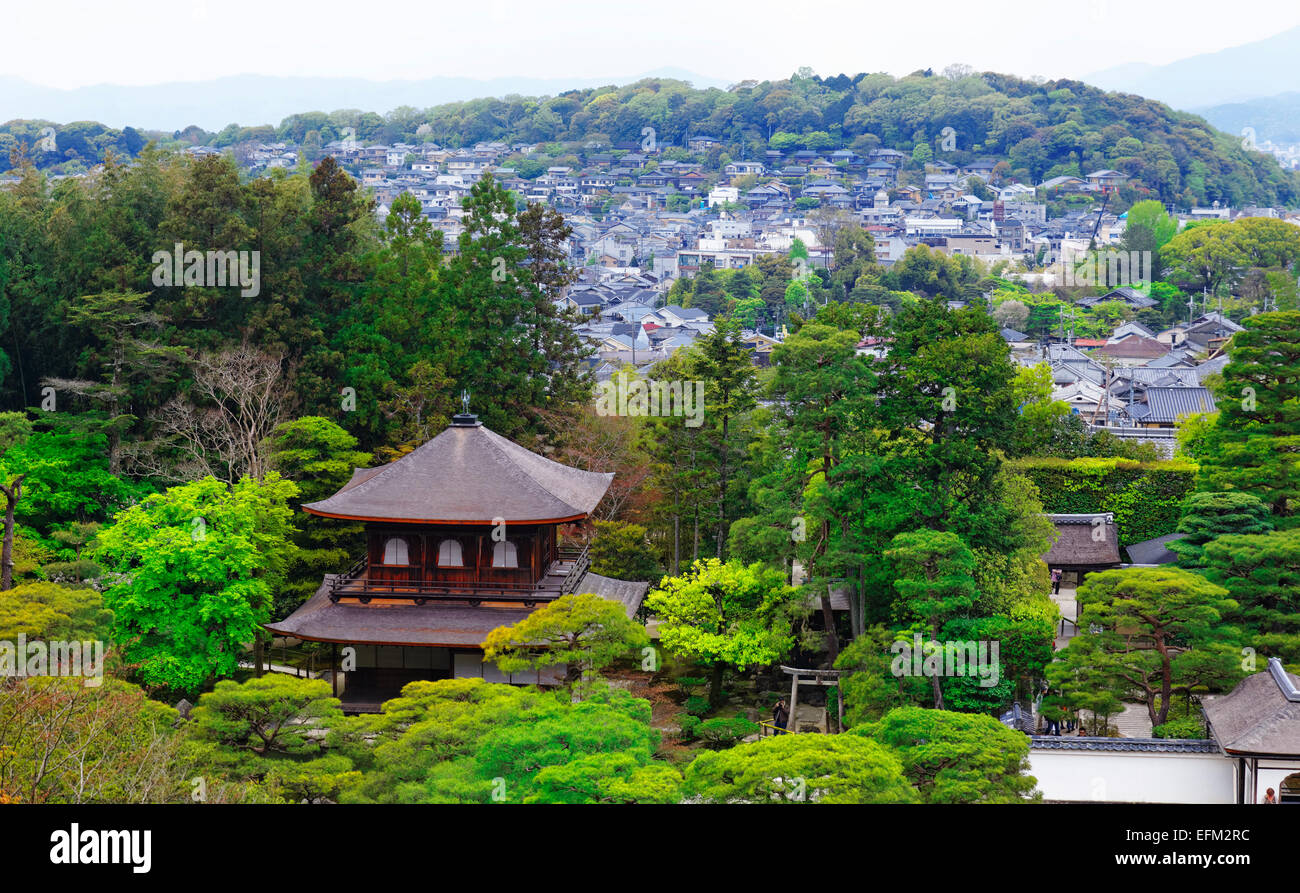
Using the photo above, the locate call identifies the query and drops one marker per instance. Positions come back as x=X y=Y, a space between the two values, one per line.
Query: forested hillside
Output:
x=1040 y=130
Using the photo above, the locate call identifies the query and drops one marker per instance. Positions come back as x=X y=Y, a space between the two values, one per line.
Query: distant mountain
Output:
x=260 y=99
x=1252 y=70
x=1275 y=118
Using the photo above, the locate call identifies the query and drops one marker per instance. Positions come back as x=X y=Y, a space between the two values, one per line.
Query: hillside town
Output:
x=641 y=220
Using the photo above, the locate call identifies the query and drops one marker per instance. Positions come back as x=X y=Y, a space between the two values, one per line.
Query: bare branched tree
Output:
x=221 y=429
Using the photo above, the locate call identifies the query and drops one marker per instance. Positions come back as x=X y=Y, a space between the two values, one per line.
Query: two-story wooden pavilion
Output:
x=462 y=536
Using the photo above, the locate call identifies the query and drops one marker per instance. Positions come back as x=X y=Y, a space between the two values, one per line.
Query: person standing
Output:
x=1056 y=581
x=780 y=716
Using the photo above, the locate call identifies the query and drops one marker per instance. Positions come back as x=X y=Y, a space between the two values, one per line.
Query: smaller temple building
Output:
x=1085 y=543
x=462 y=535
x=1257 y=726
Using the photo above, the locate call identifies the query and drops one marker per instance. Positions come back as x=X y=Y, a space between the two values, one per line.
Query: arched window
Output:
x=504 y=554
x=395 y=551
x=449 y=554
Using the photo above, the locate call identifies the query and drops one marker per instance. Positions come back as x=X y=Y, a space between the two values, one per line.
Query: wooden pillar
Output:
x=794 y=702
x=839 y=703
x=334 y=667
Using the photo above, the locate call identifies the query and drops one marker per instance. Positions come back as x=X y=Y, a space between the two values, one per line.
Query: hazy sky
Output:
x=76 y=42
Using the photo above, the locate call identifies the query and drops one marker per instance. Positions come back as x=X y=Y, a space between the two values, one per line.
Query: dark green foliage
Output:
x=696 y=705
x=1146 y=497
x=319 y=457
x=1182 y=727
x=723 y=731
x=1211 y=514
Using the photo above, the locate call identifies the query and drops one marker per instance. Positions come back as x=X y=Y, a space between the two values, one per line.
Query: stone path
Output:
x=1133 y=722
x=1069 y=608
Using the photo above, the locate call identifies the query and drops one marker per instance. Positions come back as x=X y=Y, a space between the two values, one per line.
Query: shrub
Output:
x=696 y=705
x=689 y=725
x=1182 y=727
x=725 y=731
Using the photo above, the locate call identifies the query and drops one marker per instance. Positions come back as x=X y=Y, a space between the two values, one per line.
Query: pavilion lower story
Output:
x=364 y=676
x=379 y=646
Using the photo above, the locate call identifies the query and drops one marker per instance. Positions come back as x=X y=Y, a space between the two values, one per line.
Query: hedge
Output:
x=1146 y=497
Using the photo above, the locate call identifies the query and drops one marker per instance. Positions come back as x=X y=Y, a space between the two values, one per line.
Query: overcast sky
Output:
x=76 y=43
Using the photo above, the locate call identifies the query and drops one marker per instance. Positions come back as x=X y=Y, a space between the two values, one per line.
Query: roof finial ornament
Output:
x=465 y=418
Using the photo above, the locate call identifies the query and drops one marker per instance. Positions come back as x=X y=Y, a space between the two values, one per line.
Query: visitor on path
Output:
x=780 y=716
x=1056 y=581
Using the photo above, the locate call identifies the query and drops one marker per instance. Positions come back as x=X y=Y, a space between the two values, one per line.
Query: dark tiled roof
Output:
x=1154 y=551
x=1167 y=404
x=323 y=620
x=467 y=474
x=1136 y=347
x=1260 y=716
x=1075 y=545
x=1124 y=745
x=625 y=592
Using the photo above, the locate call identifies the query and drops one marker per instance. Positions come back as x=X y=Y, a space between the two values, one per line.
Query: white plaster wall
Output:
x=1133 y=777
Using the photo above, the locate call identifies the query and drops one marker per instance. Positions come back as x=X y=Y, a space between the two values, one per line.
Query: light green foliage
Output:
x=469 y=741
x=586 y=632
x=956 y=757
x=801 y=768
x=726 y=615
x=1039 y=413
x=68 y=479
x=1192 y=434
x=53 y=612
x=199 y=565
x=607 y=778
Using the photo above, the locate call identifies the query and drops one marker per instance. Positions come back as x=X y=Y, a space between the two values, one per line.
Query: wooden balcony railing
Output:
x=561 y=578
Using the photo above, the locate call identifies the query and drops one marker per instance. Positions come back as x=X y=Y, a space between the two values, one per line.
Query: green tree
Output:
x=616 y=777
x=1207 y=515
x=726 y=615
x=621 y=550
x=1160 y=633
x=50 y=611
x=1255 y=443
x=956 y=757
x=933 y=578
x=199 y=564
x=585 y=633
x=1262 y=574
x=319 y=457
x=723 y=363
x=801 y=768
x=274 y=715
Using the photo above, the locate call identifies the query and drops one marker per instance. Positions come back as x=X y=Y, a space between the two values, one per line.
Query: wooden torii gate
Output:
x=799 y=676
